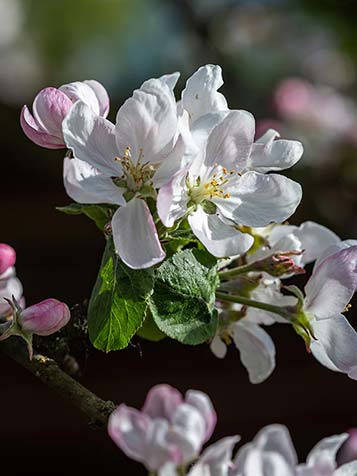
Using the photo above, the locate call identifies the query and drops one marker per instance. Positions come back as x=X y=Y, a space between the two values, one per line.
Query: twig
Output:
x=47 y=370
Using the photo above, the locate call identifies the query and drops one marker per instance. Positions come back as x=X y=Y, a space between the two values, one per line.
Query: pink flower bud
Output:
x=44 y=318
x=51 y=105
x=7 y=257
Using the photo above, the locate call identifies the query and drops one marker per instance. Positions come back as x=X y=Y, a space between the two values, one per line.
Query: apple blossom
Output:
x=168 y=429
x=10 y=285
x=7 y=257
x=43 y=319
x=222 y=189
x=51 y=106
x=141 y=152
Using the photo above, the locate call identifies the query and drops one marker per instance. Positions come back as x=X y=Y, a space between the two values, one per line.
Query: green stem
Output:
x=282 y=311
x=232 y=273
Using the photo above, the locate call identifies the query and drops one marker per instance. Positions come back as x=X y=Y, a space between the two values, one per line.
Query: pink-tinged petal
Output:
x=230 y=142
x=101 y=95
x=266 y=463
x=216 y=459
x=315 y=239
x=331 y=250
x=84 y=184
x=128 y=428
x=50 y=107
x=269 y=154
x=220 y=239
x=332 y=284
x=187 y=432
x=135 y=236
x=147 y=123
x=259 y=199
x=7 y=257
x=257 y=350
x=162 y=401
x=171 y=165
x=36 y=134
x=322 y=458
x=336 y=344
x=172 y=199
x=44 y=318
x=203 y=404
x=200 y=96
x=92 y=139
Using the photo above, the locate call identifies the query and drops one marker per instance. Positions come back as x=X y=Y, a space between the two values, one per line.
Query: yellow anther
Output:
x=347 y=308
x=227 y=195
x=225 y=171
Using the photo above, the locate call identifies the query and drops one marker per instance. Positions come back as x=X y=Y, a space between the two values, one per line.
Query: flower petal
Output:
x=332 y=284
x=218 y=347
x=84 y=184
x=8 y=288
x=230 y=142
x=92 y=139
x=162 y=401
x=172 y=199
x=258 y=199
x=219 y=238
x=101 y=94
x=135 y=236
x=268 y=463
x=80 y=91
x=314 y=240
x=147 y=122
x=216 y=459
x=257 y=350
x=171 y=165
x=342 y=245
x=322 y=458
x=159 y=450
x=203 y=404
x=338 y=340
x=37 y=134
x=200 y=96
x=269 y=154
x=128 y=428
x=50 y=107
x=349 y=469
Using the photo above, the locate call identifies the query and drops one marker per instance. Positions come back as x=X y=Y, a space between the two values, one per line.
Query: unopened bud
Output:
x=280 y=263
x=44 y=318
x=7 y=257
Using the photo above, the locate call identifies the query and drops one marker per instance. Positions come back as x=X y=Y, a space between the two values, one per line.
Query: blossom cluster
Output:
x=168 y=433
x=195 y=209
x=43 y=319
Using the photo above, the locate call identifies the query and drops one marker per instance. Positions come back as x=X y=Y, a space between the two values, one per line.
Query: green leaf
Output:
x=100 y=214
x=149 y=329
x=119 y=302
x=184 y=295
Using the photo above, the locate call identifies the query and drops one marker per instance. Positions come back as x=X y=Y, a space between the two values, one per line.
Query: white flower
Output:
x=321 y=461
x=168 y=429
x=327 y=295
x=270 y=453
x=123 y=164
x=221 y=189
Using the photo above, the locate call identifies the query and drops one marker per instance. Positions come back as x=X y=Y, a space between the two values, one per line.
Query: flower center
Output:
x=212 y=188
x=135 y=175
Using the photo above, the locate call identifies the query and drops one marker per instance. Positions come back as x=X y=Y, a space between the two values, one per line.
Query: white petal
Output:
x=80 y=91
x=332 y=284
x=158 y=449
x=147 y=122
x=269 y=154
x=339 y=342
x=230 y=142
x=315 y=239
x=162 y=401
x=101 y=95
x=331 y=250
x=276 y=438
x=258 y=199
x=257 y=350
x=171 y=165
x=323 y=456
x=349 y=469
x=169 y=469
x=8 y=288
x=92 y=139
x=200 y=95
x=218 y=347
x=264 y=464
x=135 y=236
x=203 y=404
x=220 y=239
x=187 y=431
x=84 y=184
x=216 y=459
x=172 y=199
x=167 y=79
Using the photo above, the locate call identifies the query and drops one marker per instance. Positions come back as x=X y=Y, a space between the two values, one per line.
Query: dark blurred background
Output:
x=293 y=64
